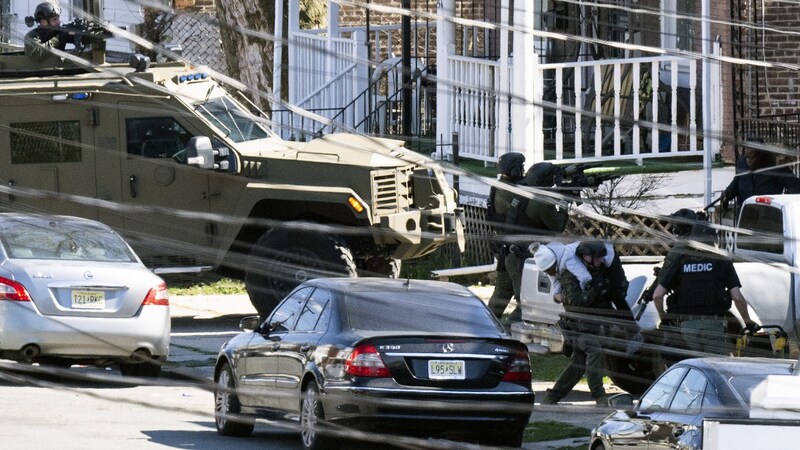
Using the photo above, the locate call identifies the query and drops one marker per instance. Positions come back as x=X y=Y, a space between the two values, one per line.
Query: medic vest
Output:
x=700 y=288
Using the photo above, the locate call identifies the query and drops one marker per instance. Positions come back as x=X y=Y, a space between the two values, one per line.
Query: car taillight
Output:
x=520 y=367
x=13 y=291
x=364 y=361
x=158 y=295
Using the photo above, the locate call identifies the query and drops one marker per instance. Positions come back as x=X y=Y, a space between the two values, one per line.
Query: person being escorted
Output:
x=588 y=314
x=702 y=285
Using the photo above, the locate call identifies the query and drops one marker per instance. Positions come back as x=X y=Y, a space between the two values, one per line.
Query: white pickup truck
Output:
x=767 y=260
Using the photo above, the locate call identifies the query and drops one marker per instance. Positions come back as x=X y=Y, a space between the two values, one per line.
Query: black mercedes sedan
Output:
x=670 y=413
x=370 y=357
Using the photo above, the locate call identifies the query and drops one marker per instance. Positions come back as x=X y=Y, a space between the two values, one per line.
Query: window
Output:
x=659 y=395
x=45 y=142
x=689 y=396
x=677 y=24
x=238 y=124
x=283 y=318
x=767 y=222
x=157 y=137
x=315 y=314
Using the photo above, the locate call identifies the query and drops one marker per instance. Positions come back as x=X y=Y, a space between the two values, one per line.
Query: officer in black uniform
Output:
x=522 y=215
x=511 y=168
x=702 y=286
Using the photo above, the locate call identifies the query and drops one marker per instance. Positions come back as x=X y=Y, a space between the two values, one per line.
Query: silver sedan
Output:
x=72 y=291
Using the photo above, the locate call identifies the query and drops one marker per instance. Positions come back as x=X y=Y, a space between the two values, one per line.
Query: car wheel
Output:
x=312 y=417
x=598 y=446
x=510 y=438
x=282 y=258
x=379 y=266
x=227 y=409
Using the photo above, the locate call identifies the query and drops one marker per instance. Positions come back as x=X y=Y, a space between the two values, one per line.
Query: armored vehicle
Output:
x=173 y=159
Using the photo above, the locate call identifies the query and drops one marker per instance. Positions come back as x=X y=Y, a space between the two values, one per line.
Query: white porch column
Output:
x=361 y=81
x=294 y=26
x=708 y=140
x=524 y=138
x=445 y=40
x=277 y=54
x=504 y=89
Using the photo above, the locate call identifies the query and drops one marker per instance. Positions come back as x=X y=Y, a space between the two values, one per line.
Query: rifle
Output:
x=647 y=295
x=574 y=177
x=86 y=32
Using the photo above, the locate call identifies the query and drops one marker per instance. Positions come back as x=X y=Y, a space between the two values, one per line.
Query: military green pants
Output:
x=587 y=358
x=706 y=335
x=508 y=285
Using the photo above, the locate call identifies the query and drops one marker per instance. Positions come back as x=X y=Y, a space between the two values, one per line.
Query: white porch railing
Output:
x=607 y=109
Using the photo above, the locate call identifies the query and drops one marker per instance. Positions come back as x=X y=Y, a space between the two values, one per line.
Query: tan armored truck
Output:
x=175 y=162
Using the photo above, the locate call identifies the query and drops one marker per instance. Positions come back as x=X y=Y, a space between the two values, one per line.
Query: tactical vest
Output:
x=700 y=289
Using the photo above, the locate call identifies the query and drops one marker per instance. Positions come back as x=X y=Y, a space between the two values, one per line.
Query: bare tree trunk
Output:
x=248 y=57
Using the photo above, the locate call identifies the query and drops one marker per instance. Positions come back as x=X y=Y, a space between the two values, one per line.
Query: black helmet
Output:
x=46 y=10
x=512 y=165
x=683 y=227
x=593 y=249
x=541 y=174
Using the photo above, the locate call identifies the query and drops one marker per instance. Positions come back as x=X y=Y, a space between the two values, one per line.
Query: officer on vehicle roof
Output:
x=49 y=34
x=757 y=174
x=702 y=286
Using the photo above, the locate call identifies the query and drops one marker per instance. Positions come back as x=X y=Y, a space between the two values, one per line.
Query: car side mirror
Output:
x=622 y=401
x=200 y=152
x=249 y=323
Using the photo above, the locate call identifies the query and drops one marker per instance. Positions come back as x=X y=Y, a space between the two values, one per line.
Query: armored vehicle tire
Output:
x=286 y=256
x=635 y=373
x=379 y=266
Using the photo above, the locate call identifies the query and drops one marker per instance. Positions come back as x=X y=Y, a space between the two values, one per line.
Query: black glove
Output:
x=598 y=284
x=751 y=327
x=725 y=200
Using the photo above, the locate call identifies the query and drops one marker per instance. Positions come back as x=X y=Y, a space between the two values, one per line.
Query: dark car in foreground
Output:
x=670 y=414
x=410 y=357
x=73 y=292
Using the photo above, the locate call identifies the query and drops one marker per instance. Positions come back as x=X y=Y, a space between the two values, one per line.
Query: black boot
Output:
x=550 y=398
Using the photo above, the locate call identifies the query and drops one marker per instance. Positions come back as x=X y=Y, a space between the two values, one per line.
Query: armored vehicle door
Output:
x=161 y=193
x=48 y=153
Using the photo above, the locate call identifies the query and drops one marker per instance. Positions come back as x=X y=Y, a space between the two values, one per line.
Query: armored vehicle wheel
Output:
x=286 y=256
x=635 y=373
x=379 y=266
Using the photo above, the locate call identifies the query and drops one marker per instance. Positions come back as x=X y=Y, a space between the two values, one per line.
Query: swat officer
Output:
x=702 y=286
x=49 y=34
x=523 y=215
x=587 y=315
x=510 y=168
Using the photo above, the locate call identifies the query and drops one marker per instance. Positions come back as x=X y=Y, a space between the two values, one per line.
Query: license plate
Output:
x=88 y=299
x=446 y=370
